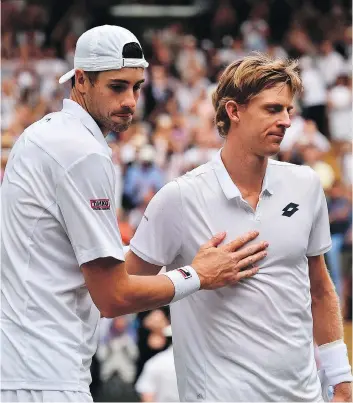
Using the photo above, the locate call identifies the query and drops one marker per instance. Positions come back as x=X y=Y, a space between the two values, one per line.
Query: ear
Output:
x=232 y=111
x=81 y=81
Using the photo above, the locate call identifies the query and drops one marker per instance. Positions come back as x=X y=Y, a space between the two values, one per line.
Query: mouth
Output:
x=278 y=135
x=124 y=115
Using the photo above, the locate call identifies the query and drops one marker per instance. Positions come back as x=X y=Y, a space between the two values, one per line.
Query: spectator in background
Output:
x=157 y=93
x=143 y=176
x=339 y=208
x=189 y=55
x=330 y=62
x=255 y=31
x=314 y=96
x=340 y=110
x=119 y=352
x=158 y=382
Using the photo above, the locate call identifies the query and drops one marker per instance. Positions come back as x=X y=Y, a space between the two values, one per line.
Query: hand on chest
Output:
x=283 y=220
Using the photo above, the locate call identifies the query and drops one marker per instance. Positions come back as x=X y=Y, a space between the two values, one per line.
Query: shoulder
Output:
x=286 y=170
x=196 y=174
x=66 y=140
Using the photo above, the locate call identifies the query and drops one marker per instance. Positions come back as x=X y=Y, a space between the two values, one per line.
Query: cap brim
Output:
x=67 y=76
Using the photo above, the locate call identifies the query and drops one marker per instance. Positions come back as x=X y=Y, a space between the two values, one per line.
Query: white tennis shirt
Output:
x=253 y=341
x=58 y=212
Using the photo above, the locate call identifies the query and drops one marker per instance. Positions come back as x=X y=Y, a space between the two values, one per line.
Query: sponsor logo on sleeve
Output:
x=100 y=204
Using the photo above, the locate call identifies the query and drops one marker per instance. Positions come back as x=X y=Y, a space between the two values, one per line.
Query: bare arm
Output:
x=327 y=317
x=325 y=305
x=116 y=293
x=137 y=266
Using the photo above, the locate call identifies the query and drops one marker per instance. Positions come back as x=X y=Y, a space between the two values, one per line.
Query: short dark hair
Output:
x=131 y=50
x=92 y=76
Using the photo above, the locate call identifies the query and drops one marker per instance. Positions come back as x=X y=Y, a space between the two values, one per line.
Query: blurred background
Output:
x=187 y=43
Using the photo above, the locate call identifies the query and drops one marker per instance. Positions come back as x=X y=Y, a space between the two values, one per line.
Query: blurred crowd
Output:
x=173 y=131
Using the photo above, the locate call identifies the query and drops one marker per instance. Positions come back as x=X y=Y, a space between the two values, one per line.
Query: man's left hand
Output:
x=343 y=392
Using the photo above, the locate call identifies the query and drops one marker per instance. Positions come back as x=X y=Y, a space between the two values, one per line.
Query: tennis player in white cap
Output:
x=62 y=255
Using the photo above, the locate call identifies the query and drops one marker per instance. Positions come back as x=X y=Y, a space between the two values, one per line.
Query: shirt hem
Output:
x=39 y=385
x=100 y=253
x=144 y=257
x=320 y=251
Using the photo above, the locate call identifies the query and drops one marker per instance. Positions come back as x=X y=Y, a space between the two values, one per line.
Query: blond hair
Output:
x=244 y=79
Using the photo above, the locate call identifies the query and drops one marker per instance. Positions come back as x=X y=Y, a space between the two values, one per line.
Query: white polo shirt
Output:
x=58 y=212
x=158 y=377
x=252 y=341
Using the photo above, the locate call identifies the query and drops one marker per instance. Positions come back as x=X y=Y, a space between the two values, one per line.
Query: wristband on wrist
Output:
x=186 y=281
x=334 y=361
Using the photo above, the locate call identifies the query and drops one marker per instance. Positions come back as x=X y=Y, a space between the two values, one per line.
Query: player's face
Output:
x=112 y=99
x=263 y=122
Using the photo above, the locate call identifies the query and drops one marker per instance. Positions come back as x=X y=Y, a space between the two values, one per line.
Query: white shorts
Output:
x=24 y=395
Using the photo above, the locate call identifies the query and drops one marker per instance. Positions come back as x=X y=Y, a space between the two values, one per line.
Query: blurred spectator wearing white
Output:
x=255 y=31
x=330 y=63
x=340 y=110
x=314 y=96
x=158 y=382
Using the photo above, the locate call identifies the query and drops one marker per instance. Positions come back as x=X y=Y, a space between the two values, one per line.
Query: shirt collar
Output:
x=229 y=188
x=73 y=108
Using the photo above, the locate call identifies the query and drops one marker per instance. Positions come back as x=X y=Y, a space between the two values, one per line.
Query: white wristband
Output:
x=186 y=281
x=335 y=363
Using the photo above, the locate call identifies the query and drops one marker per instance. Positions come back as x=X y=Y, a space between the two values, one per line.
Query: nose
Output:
x=285 y=120
x=129 y=100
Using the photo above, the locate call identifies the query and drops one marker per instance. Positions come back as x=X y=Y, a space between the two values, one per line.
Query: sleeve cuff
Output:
x=321 y=251
x=92 y=254
x=145 y=257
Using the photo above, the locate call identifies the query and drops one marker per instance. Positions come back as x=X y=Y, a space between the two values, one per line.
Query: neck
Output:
x=246 y=170
x=78 y=98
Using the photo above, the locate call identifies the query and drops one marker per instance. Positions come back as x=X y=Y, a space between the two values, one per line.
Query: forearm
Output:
x=141 y=293
x=327 y=319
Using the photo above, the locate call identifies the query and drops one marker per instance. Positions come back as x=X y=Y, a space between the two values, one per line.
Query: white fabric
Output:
x=314 y=87
x=340 y=113
x=253 y=341
x=295 y=134
x=101 y=48
x=331 y=66
x=158 y=378
x=50 y=225
x=23 y=395
x=334 y=361
x=185 y=281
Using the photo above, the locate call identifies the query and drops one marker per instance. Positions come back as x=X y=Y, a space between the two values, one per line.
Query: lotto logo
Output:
x=100 y=204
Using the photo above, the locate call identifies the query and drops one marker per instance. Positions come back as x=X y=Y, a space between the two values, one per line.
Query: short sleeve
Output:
x=320 y=237
x=86 y=199
x=158 y=238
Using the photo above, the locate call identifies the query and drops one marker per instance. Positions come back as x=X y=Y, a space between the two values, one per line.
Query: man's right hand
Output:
x=221 y=266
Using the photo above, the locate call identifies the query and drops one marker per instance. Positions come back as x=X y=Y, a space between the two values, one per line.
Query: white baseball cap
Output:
x=102 y=48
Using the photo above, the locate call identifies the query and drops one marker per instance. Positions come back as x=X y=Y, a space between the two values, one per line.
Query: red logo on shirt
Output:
x=185 y=273
x=100 y=204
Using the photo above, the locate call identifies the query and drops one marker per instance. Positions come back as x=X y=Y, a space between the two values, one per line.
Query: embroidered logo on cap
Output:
x=100 y=204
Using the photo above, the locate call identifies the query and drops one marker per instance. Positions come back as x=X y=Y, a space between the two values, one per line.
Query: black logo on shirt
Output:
x=290 y=209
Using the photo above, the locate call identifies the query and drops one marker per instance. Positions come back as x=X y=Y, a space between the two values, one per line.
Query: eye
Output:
x=273 y=110
x=137 y=87
x=117 y=88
